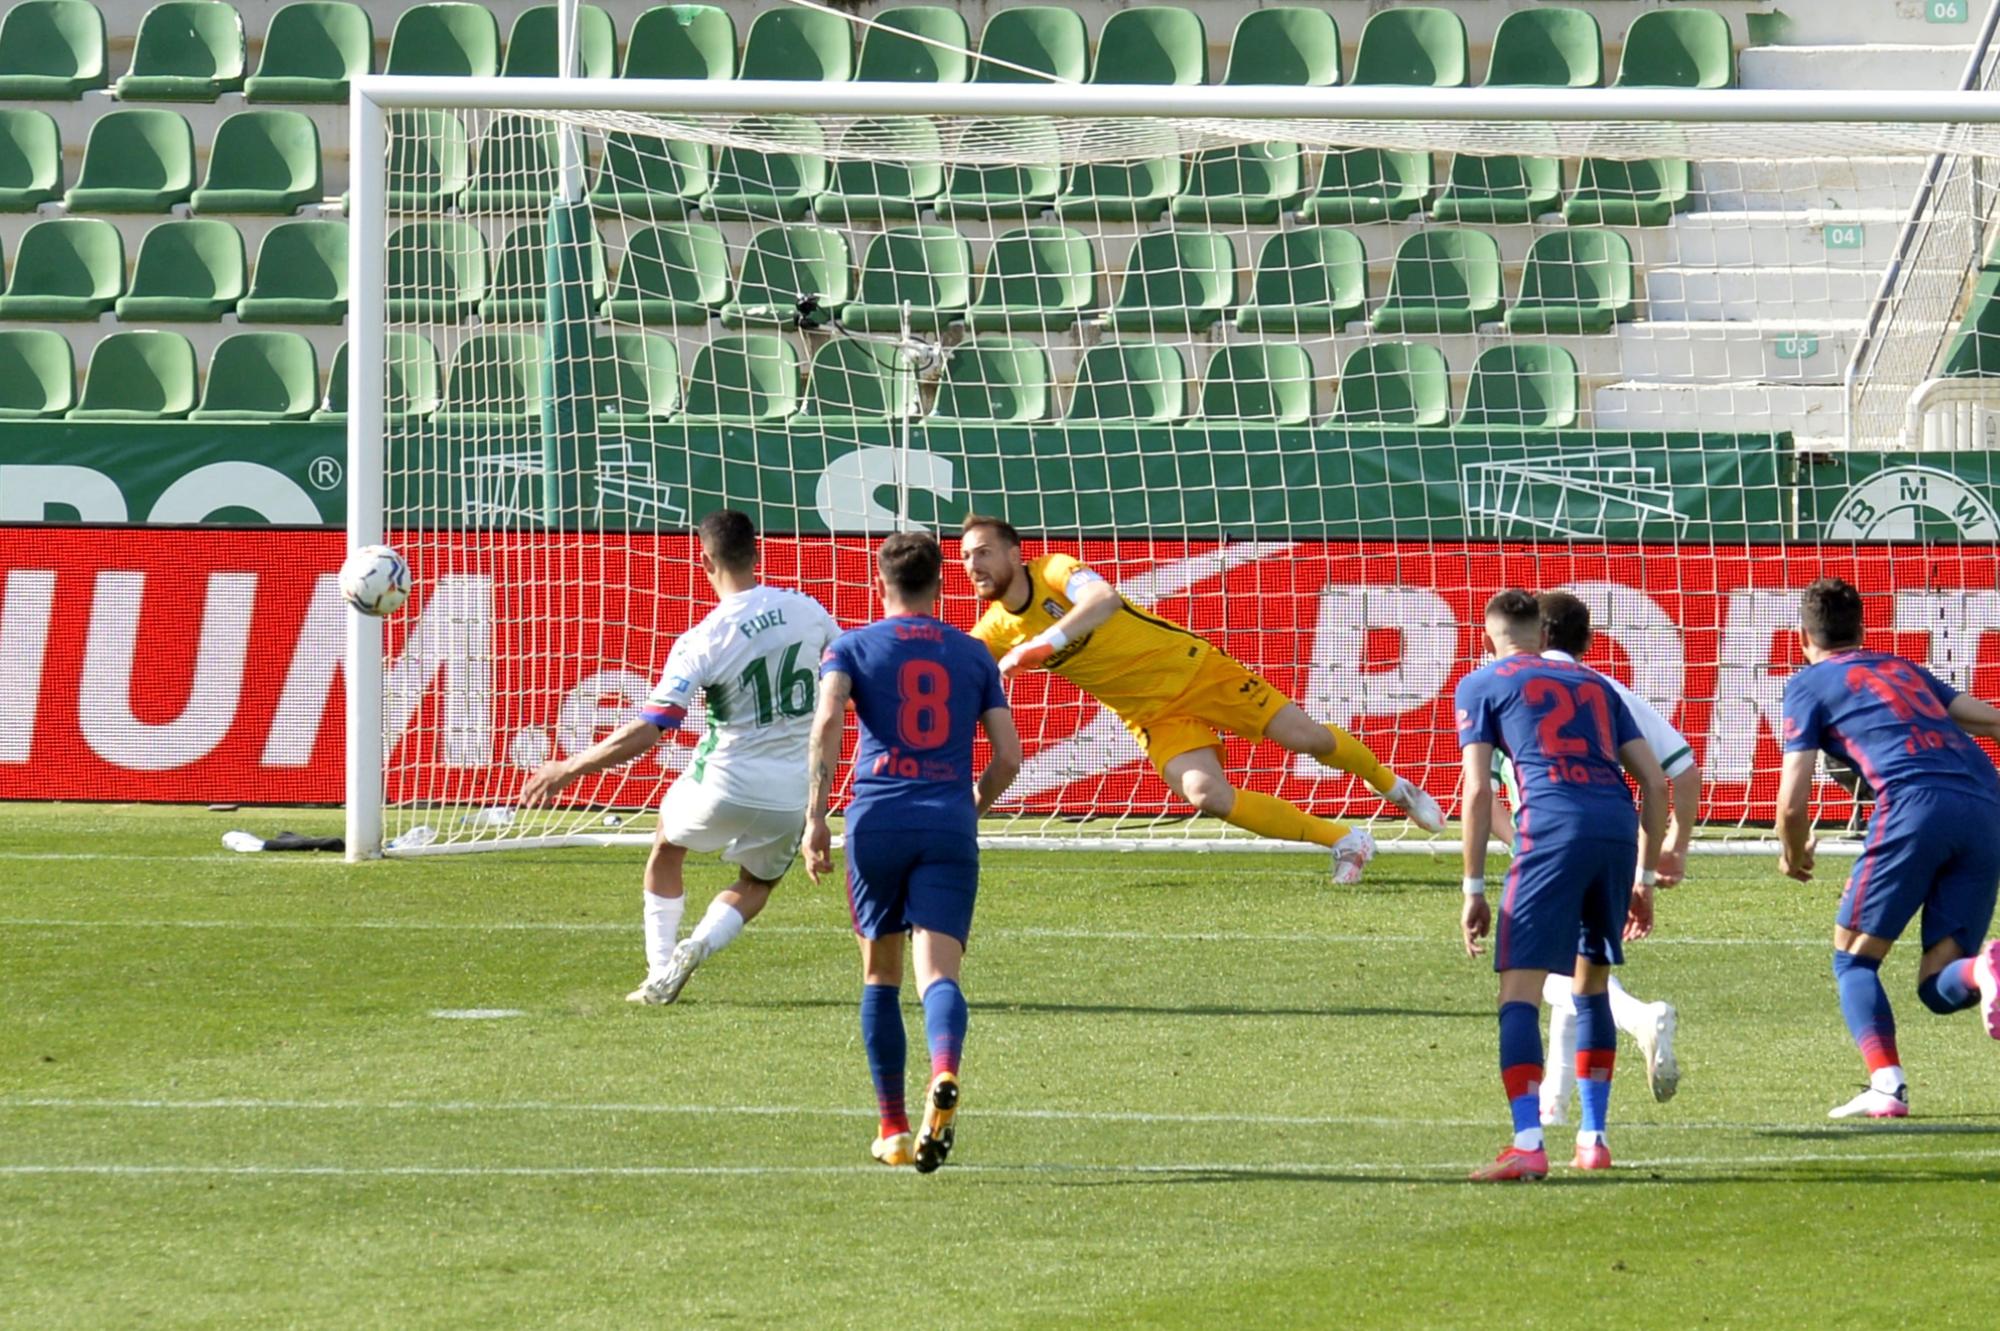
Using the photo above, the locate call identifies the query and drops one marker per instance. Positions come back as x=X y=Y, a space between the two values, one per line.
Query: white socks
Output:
x=718 y=928
x=1887 y=1080
x=1559 y=1062
x=663 y=927
x=1628 y=1014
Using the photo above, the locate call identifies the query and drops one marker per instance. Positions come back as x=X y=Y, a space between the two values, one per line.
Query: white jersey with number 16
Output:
x=755 y=658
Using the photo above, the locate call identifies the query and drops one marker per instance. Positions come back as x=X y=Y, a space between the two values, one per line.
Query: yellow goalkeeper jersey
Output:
x=1135 y=663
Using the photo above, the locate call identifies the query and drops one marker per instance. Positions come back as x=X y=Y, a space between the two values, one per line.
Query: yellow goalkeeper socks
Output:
x=1281 y=820
x=1351 y=755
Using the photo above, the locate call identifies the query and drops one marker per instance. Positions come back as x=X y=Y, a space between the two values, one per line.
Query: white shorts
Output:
x=764 y=842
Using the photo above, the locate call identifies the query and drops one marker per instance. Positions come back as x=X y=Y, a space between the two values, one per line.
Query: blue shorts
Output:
x=901 y=880
x=1565 y=898
x=1932 y=851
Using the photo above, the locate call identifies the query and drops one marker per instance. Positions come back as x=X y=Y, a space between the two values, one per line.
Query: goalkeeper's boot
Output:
x=1513 y=1165
x=667 y=985
x=1351 y=855
x=1415 y=801
x=1986 y=974
x=1872 y=1103
x=1591 y=1155
x=897 y=1149
x=940 y=1108
x=1656 y=1042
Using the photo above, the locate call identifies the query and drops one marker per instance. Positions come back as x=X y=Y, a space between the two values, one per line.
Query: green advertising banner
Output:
x=1934 y=497
x=286 y=473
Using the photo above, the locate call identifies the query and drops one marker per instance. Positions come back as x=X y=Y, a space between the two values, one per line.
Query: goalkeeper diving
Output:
x=1174 y=690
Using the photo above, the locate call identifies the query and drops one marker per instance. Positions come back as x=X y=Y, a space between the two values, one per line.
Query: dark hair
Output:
x=1517 y=607
x=1565 y=621
x=1830 y=613
x=911 y=563
x=999 y=526
x=730 y=539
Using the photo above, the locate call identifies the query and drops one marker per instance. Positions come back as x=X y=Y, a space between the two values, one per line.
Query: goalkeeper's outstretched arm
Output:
x=619 y=747
x=1096 y=602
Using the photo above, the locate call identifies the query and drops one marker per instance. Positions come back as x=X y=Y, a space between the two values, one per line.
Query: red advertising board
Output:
x=204 y=665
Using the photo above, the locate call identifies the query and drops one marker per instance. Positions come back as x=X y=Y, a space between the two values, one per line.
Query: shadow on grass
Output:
x=1804 y=1174
x=1968 y=1125
x=995 y=1007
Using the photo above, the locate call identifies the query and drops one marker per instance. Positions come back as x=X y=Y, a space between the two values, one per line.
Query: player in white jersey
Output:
x=755 y=660
x=1566 y=624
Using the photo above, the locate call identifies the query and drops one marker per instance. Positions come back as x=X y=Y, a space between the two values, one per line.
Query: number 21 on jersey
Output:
x=1556 y=703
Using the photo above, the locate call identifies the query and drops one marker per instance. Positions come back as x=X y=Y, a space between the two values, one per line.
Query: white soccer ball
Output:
x=375 y=580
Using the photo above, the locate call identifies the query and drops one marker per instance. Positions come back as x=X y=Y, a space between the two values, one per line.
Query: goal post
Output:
x=1313 y=371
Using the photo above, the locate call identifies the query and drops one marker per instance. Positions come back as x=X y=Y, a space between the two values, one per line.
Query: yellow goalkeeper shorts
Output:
x=1224 y=696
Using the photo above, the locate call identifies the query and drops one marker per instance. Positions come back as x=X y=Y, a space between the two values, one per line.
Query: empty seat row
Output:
x=143 y=161
x=147 y=375
x=73 y=268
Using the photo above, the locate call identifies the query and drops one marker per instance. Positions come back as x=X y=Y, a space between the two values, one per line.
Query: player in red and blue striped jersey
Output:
x=1571 y=894
x=1933 y=842
x=921 y=690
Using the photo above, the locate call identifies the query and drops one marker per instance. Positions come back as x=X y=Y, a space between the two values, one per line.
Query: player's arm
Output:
x=1476 y=828
x=822 y=754
x=1005 y=764
x=1975 y=717
x=1093 y=602
x=1643 y=766
x=619 y=747
x=1795 y=839
x=1684 y=792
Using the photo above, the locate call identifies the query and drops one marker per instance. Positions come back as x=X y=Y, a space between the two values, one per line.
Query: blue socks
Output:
x=882 y=1036
x=1865 y=1005
x=1951 y=989
x=1521 y=1070
x=1596 y=1053
x=944 y=1024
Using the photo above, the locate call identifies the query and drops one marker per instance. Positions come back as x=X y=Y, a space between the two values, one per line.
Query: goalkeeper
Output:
x=1173 y=690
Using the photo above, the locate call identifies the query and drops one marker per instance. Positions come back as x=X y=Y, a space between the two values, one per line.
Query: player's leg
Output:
x=1293 y=728
x=944 y=885
x=1652 y=1027
x=1196 y=775
x=1560 y=1079
x=1890 y=881
x=1960 y=967
x=664 y=899
x=1606 y=871
x=1521 y=1067
x=763 y=844
x=877 y=866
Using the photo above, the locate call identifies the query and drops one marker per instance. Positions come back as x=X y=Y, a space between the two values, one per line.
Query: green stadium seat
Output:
x=1370 y=185
x=51 y=50
x=639 y=378
x=804 y=45
x=1038 y=279
x=1619 y=193
x=301 y=275
x=187 y=272
x=1577 y=280
x=532 y=45
x=262 y=162
x=410 y=379
x=1412 y=45
x=770 y=186
x=495 y=379
x=1175 y=281
x=261 y=377
x=1047 y=38
x=1245 y=183
x=30 y=160
x=999 y=379
x=1154 y=44
x=1682 y=47
x=428 y=161
x=1253 y=381
x=435 y=272
x=1138 y=190
x=514 y=166
x=1393 y=383
x=889 y=56
x=752 y=377
x=1289 y=46
x=930 y=267
x=681 y=42
x=851 y=380
x=1312 y=280
x=138 y=376
x=1130 y=381
x=1521 y=385
x=519 y=290
x=135 y=161
x=311 y=51
x=1445 y=280
x=65 y=268
x=977 y=191
x=1498 y=191
x=445 y=40
x=783 y=265
x=672 y=274
x=1974 y=352
x=187 y=51
x=651 y=178
x=897 y=174
x=37 y=374
x=1549 y=47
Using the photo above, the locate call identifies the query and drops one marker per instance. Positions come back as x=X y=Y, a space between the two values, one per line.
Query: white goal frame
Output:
x=372 y=97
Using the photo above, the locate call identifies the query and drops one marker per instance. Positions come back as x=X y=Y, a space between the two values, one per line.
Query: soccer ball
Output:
x=375 y=580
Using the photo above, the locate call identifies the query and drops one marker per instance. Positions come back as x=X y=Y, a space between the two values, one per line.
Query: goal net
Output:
x=1312 y=372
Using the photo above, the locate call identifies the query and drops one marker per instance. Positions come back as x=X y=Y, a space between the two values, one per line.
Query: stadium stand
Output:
x=1130 y=381
x=1259 y=381
x=532 y=44
x=187 y=51
x=311 y=51
x=37 y=375
x=746 y=377
x=673 y=274
x=188 y=272
x=1394 y=383
x=137 y=161
x=681 y=42
x=890 y=56
x=265 y=376
x=446 y=40
x=785 y=265
x=262 y=161
x=641 y=377
x=30 y=159
x=1311 y=280
x=51 y=49
x=301 y=275
x=857 y=381
x=66 y=268
x=1289 y=46
x=994 y=380
x=926 y=268
x=138 y=375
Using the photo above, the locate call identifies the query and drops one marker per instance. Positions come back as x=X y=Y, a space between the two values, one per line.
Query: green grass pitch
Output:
x=1201 y=1092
